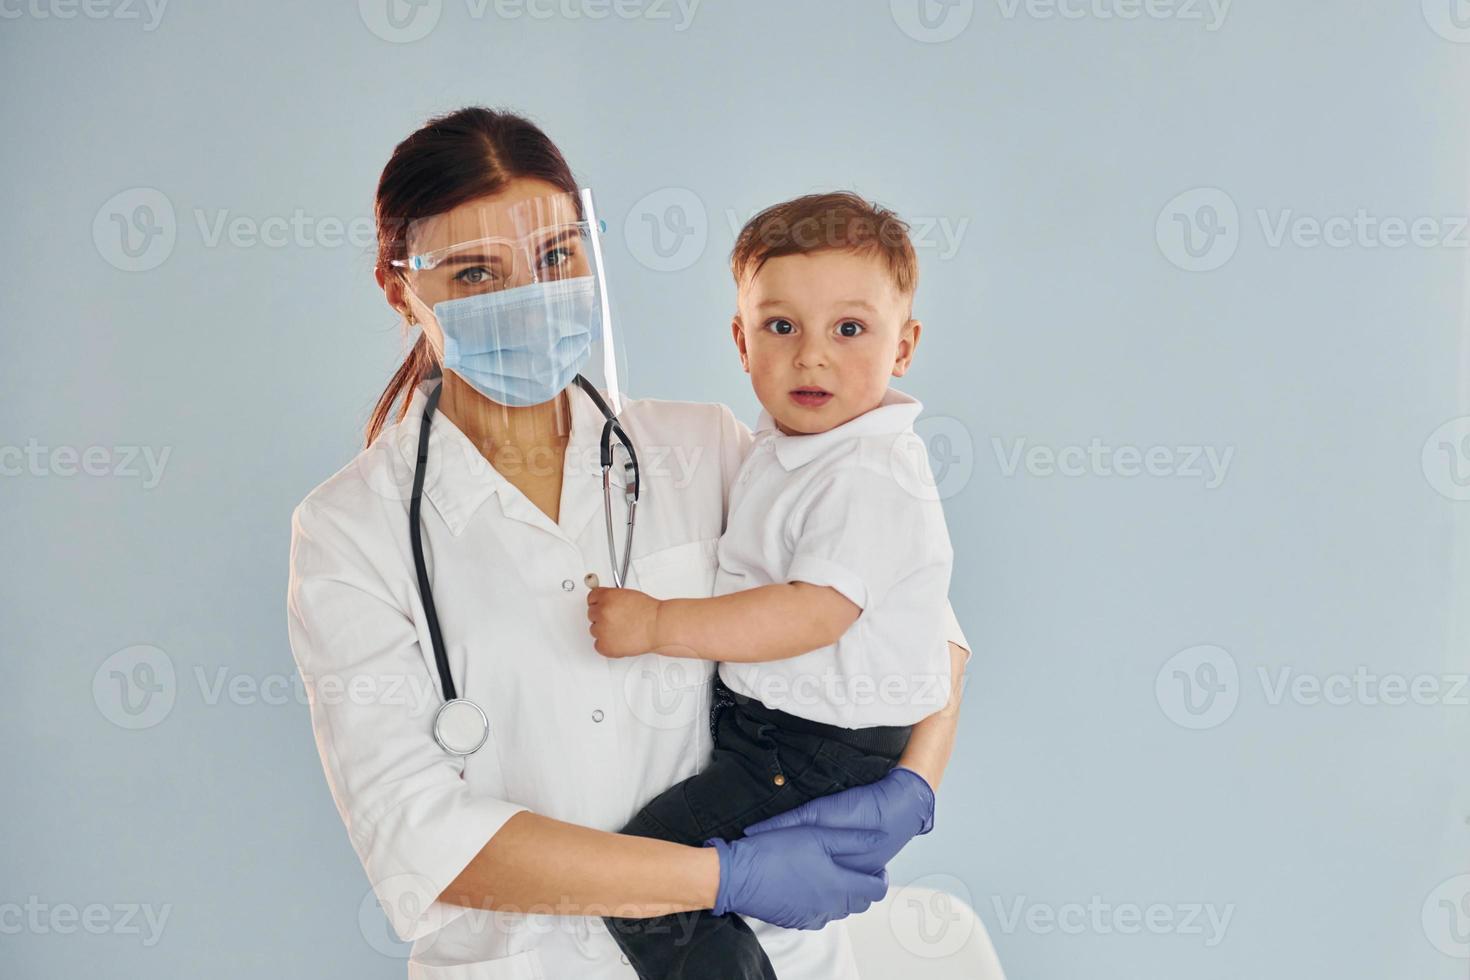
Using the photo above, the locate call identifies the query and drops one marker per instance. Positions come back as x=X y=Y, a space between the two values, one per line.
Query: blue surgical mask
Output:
x=521 y=346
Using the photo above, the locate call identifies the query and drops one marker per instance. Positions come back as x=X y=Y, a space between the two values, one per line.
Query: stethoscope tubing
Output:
x=610 y=430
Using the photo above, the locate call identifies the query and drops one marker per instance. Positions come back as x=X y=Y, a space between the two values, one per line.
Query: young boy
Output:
x=833 y=568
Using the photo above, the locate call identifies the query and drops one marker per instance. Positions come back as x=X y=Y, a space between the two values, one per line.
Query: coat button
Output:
x=597 y=714
x=568 y=585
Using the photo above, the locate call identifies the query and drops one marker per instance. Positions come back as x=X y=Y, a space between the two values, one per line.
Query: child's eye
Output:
x=779 y=326
x=850 y=328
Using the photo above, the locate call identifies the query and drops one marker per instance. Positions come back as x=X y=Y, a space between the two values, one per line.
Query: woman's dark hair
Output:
x=471 y=153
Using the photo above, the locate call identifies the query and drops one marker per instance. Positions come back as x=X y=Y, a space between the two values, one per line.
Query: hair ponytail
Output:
x=418 y=365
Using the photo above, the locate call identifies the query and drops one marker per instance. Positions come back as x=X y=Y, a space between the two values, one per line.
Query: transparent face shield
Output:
x=512 y=297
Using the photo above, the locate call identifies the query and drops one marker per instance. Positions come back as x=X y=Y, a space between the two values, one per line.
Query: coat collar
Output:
x=459 y=479
x=895 y=413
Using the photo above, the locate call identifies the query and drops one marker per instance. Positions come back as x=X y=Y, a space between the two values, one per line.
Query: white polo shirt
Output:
x=853 y=508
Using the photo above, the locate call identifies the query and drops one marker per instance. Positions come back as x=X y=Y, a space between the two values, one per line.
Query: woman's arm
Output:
x=541 y=865
x=422 y=834
x=932 y=740
x=800 y=877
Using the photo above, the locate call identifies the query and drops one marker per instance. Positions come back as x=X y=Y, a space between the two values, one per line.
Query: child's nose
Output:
x=811 y=353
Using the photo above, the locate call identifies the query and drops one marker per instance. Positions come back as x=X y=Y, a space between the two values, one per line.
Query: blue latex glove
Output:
x=796 y=877
x=899 y=807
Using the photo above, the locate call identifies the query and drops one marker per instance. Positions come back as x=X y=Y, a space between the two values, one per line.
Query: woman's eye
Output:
x=554 y=257
x=850 y=328
x=475 y=275
x=779 y=326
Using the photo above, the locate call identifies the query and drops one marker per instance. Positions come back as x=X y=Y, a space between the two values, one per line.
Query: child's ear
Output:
x=908 y=340
x=738 y=332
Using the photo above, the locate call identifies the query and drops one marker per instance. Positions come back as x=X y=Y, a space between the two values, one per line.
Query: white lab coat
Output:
x=573 y=735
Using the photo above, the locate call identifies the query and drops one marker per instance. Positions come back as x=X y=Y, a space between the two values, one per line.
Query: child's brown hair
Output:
x=838 y=221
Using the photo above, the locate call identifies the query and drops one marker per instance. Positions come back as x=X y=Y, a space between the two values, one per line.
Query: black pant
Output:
x=765 y=762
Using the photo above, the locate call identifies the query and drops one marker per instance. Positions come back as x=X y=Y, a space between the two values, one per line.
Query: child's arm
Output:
x=932 y=740
x=771 y=622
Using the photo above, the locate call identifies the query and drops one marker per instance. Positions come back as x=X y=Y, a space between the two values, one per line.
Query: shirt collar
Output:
x=895 y=413
x=458 y=478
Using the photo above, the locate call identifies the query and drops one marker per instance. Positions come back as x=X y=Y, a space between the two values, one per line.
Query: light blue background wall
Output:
x=1050 y=147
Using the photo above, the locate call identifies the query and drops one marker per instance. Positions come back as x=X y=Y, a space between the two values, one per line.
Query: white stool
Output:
x=922 y=934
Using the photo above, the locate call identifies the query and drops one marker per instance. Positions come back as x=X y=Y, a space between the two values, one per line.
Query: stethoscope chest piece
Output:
x=461 y=727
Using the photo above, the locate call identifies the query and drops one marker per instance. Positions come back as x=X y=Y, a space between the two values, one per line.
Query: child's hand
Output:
x=622 y=621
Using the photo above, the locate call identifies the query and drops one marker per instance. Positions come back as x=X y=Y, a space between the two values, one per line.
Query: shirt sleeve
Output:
x=861 y=531
x=409 y=815
x=735 y=442
x=954 y=634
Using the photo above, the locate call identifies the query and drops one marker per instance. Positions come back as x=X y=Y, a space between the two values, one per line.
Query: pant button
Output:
x=779 y=780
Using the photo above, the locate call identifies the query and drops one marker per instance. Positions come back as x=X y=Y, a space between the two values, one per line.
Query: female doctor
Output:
x=499 y=863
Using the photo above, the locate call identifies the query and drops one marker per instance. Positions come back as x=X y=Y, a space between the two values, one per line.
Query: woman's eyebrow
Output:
x=475 y=259
x=560 y=237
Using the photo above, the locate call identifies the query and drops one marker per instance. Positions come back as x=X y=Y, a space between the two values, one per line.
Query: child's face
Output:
x=820 y=335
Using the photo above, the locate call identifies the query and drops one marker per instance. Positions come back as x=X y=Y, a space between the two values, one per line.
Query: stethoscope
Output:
x=461 y=726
